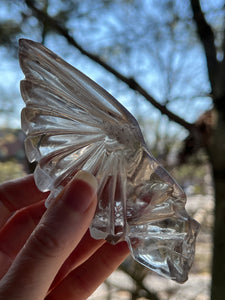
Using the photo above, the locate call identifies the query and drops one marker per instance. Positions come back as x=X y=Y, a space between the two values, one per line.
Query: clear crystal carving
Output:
x=71 y=124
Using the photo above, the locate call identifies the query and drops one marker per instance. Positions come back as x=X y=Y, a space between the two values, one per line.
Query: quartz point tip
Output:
x=73 y=124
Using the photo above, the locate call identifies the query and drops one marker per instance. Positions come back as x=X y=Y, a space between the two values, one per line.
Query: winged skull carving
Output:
x=71 y=124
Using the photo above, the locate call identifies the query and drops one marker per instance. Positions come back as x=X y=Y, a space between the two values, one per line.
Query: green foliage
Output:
x=191 y=177
x=12 y=156
x=11 y=170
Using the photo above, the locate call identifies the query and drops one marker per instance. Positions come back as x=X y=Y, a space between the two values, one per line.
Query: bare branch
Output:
x=207 y=38
x=131 y=82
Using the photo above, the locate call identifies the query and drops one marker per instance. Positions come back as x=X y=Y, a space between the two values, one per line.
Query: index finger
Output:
x=16 y=194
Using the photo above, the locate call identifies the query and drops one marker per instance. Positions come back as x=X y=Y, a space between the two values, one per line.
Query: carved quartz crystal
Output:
x=72 y=123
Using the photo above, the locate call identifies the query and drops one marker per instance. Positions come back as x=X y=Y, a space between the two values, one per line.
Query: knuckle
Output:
x=45 y=242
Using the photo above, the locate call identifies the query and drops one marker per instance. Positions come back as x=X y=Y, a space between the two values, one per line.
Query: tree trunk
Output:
x=217 y=155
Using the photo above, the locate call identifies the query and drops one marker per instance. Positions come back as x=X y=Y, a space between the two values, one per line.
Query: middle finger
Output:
x=85 y=249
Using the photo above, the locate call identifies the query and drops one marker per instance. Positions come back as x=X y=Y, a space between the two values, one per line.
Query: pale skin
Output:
x=49 y=254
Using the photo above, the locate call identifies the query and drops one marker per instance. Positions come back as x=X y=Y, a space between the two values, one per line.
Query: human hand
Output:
x=49 y=254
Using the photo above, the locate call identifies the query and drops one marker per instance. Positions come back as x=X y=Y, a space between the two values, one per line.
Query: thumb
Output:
x=58 y=233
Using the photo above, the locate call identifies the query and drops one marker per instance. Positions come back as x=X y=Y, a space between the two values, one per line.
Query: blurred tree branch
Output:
x=205 y=33
x=216 y=68
x=131 y=82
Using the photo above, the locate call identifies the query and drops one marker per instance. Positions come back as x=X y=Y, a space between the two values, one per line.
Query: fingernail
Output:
x=87 y=177
x=80 y=192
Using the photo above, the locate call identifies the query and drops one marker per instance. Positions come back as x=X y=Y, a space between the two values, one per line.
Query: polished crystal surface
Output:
x=71 y=124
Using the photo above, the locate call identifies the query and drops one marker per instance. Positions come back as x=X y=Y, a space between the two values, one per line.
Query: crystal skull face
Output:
x=161 y=234
x=152 y=218
x=73 y=124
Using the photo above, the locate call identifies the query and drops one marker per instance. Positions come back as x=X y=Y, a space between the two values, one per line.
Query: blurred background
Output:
x=164 y=61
